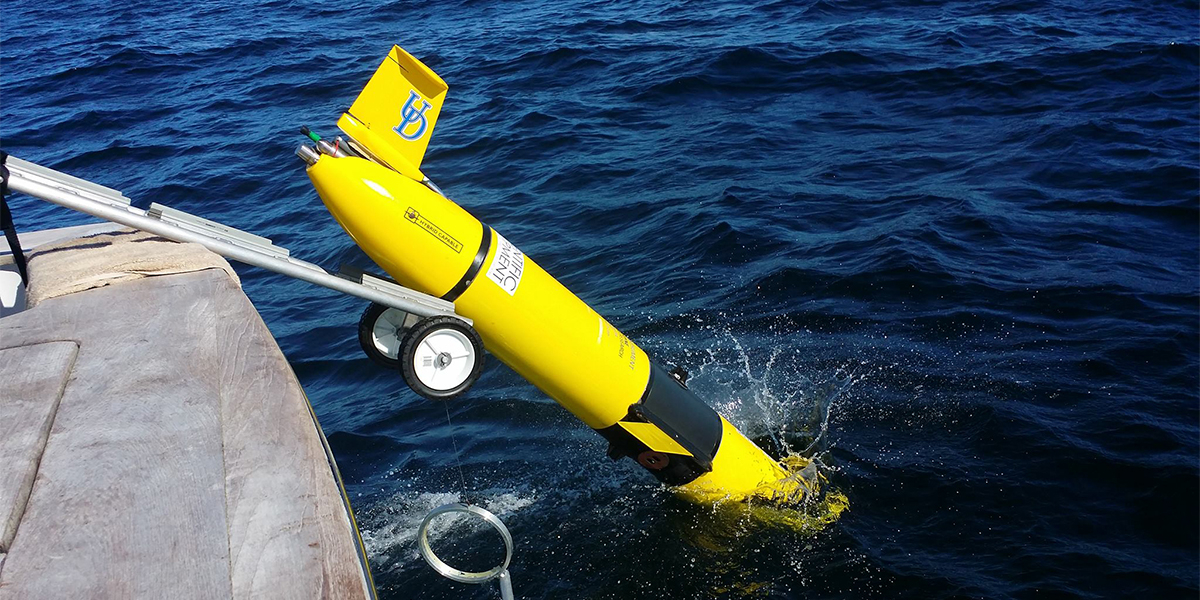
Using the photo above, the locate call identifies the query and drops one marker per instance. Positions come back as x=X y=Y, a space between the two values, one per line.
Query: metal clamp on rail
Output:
x=220 y=231
x=388 y=285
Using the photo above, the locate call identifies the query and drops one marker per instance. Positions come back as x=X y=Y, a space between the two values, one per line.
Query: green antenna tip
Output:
x=312 y=136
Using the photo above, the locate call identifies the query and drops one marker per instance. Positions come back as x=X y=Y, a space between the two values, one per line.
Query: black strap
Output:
x=6 y=222
x=468 y=278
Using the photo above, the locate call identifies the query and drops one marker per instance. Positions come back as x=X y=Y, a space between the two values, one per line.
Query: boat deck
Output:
x=154 y=442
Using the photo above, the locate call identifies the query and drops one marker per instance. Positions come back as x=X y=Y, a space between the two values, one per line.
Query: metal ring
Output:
x=450 y=572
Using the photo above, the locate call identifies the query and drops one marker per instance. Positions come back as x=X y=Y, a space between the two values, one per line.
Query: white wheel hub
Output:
x=387 y=331
x=444 y=359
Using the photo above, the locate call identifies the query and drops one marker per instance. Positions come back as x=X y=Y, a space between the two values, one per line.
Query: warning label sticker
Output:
x=507 y=266
x=415 y=217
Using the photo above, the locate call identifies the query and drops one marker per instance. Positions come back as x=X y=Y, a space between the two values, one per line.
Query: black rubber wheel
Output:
x=380 y=333
x=441 y=357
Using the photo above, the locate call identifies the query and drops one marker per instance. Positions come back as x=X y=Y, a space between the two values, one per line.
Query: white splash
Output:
x=389 y=529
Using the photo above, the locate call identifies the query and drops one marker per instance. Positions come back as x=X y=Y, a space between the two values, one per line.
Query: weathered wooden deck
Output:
x=154 y=442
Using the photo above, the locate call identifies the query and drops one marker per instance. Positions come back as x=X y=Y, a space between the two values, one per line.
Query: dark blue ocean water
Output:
x=951 y=246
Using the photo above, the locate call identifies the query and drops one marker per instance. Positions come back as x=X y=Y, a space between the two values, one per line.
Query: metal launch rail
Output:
x=111 y=205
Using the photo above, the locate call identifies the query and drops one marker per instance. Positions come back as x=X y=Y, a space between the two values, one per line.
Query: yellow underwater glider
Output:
x=373 y=186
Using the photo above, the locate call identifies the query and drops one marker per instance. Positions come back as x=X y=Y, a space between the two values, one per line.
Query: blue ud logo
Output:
x=411 y=115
